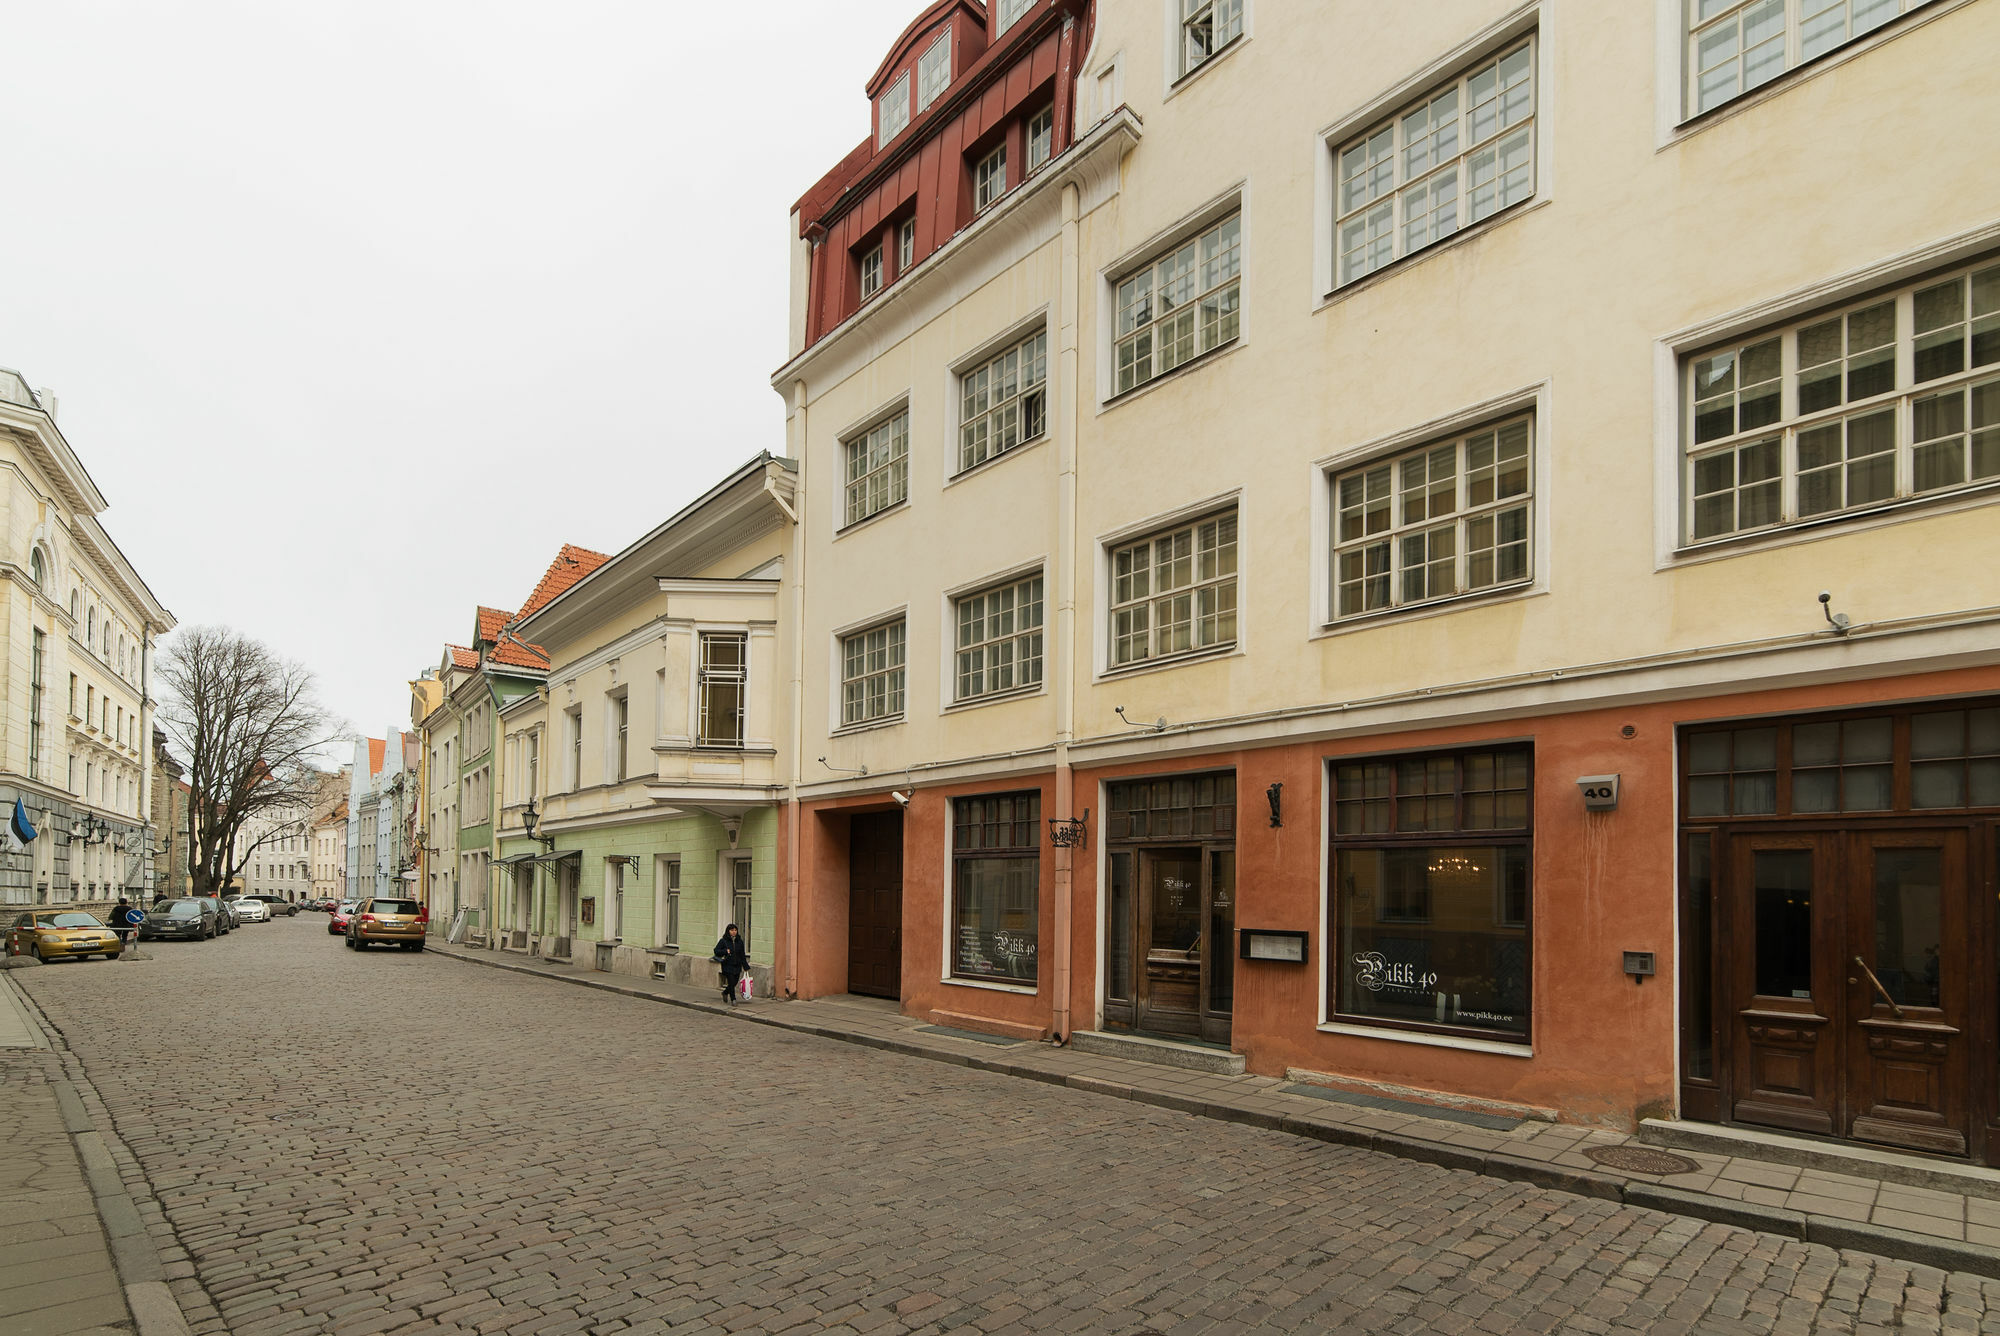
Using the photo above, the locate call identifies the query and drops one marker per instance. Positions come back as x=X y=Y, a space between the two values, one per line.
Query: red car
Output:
x=336 y=923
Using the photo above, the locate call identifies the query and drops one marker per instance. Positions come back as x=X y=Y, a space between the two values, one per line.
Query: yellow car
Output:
x=58 y=934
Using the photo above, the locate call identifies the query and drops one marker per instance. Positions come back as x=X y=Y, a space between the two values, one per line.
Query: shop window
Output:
x=996 y=866
x=1431 y=899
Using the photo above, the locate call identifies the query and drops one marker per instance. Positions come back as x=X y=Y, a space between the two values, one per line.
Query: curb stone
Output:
x=1881 y=1240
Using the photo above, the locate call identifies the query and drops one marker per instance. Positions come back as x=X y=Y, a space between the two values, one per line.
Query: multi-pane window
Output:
x=1206 y=27
x=1011 y=11
x=893 y=110
x=725 y=675
x=1896 y=398
x=1041 y=137
x=999 y=639
x=934 y=71
x=1182 y=305
x=989 y=181
x=534 y=764
x=1430 y=894
x=1462 y=153
x=668 y=872
x=741 y=901
x=1917 y=758
x=906 y=245
x=1450 y=518
x=35 y=656
x=871 y=674
x=871 y=271
x=995 y=873
x=1174 y=592
x=1004 y=402
x=1737 y=45
x=575 y=723
x=878 y=468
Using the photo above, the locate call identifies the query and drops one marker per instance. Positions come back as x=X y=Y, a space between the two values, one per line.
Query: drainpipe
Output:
x=795 y=828
x=1067 y=295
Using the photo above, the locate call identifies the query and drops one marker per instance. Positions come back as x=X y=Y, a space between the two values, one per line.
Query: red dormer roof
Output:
x=915 y=39
x=462 y=657
x=516 y=653
x=571 y=564
x=490 y=622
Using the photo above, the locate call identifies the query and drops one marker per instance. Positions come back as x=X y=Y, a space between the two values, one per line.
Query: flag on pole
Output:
x=19 y=829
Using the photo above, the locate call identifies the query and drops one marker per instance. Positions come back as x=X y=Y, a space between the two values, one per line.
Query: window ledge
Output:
x=1505 y=1050
x=1187 y=78
x=1430 y=252
x=866 y=520
x=997 y=698
x=1900 y=511
x=1178 y=660
x=1694 y=123
x=847 y=730
x=992 y=986
x=966 y=474
x=1419 y=612
x=1168 y=377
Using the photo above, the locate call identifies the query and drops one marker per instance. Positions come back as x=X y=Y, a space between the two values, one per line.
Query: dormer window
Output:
x=906 y=245
x=990 y=178
x=1010 y=11
x=893 y=111
x=871 y=272
x=1041 y=137
x=934 y=71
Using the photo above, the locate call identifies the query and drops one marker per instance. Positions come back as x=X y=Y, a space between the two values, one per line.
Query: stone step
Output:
x=1833 y=1157
x=1159 y=1052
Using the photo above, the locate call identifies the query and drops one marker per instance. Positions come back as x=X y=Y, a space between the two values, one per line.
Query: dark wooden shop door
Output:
x=875 y=904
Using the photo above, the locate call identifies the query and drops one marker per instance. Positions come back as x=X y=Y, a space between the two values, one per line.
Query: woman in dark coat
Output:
x=730 y=954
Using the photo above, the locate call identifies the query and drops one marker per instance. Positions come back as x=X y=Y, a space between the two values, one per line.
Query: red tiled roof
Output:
x=490 y=622
x=519 y=653
x=377 y=748
x=571 y=564
x=462 y=657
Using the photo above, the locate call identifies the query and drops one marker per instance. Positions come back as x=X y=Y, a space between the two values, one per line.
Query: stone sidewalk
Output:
x=75 y=1259
x=1919 y=1219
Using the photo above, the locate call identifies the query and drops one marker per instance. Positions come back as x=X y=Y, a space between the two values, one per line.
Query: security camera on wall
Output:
x=902 y=799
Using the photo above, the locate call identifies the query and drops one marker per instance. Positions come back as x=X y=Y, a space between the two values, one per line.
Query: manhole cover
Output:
x=1640 y=1160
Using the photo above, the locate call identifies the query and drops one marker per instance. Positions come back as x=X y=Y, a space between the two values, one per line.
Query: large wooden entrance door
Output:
x=1174 y=910
x=875 y=904
x=1851 y=984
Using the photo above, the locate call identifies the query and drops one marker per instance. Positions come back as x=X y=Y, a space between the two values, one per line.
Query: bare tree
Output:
x=250 y=723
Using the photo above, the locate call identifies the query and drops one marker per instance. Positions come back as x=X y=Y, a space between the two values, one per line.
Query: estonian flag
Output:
x=19 y=831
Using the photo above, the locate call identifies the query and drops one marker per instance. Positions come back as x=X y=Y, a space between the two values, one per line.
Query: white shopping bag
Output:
x=743 y=988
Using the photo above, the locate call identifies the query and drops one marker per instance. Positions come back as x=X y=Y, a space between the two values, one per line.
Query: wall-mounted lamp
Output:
x=1275 y=796
x=531 y=819
x=1837 y=620
x=1157 y=726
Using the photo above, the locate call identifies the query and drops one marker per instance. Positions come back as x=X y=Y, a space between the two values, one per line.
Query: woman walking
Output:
x=731 y=956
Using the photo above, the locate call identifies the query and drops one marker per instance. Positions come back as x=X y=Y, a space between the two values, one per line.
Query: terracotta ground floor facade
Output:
x=1774 y=907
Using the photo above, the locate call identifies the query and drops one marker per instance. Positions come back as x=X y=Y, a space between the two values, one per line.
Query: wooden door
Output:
x=1785 y=982
x=1907 y=989
x=875 y=904
x=1168 y=985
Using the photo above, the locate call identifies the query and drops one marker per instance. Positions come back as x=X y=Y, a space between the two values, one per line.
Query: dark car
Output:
x=190 y=918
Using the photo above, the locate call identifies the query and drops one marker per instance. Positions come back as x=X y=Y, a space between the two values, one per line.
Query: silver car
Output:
x=250 y=910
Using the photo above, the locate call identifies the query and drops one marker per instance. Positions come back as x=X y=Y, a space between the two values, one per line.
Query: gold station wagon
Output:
x=403 y=922
x=61 y=934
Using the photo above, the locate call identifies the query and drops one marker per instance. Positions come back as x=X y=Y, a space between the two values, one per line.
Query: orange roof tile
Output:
x=490 y=622
x=462 y=657
x=571 y=564
x=519 y=653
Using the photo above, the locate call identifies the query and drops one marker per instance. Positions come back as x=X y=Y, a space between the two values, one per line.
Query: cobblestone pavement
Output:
x=391 y=1142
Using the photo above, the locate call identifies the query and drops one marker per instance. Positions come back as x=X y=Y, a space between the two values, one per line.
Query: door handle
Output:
x=1863 y=966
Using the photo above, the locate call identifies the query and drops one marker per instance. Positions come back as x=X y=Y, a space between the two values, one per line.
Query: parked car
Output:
x=403 y=922
x=62 y=934
x=250 y=909
x=180 y=919
x=343 y=911
x=277 y=904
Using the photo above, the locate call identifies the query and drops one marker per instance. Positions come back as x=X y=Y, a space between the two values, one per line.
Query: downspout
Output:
x=795 y=830
x=1068 y=296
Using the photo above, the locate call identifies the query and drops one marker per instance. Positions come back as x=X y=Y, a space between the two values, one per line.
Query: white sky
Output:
x=357 y=311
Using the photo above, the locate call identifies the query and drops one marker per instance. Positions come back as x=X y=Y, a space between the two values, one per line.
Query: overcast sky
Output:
x=357 y=311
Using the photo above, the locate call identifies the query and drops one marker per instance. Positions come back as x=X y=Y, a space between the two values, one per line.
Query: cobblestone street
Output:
x=385 y=1142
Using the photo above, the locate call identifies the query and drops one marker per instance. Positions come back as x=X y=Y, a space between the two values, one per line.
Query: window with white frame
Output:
x=892 y=111
x=534 y=764
x=934 y=71
x=999 y=639
x=1174 y=592
x=617 y=727
x=1011 y=11
x=1892 y=399
x=1459 y=154
x=871 y=271
x=1004 y=402
x=1206 y=27
x=871 y=674
x=573 y=721
x=725 y=675
x=1181 y=305
x=1041 y=137
x=1451 y=517
x=1735 y=46
x=666 y=901
x=906 y=245
x=878 y=468
x=989 y=178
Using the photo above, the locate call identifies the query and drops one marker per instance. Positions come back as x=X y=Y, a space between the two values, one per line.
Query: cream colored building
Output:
x=80 y=627
x=1454 y=415
x=329 y=853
